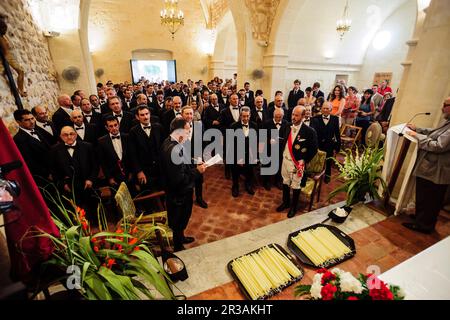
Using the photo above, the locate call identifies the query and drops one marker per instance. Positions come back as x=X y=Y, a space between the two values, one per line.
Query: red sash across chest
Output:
x=300 y=165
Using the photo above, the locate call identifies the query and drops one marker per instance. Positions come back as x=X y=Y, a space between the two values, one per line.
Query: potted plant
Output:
x=362 y=175
x=108 y=264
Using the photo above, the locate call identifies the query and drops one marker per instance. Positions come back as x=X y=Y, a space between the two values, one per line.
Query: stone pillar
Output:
x=426 y=79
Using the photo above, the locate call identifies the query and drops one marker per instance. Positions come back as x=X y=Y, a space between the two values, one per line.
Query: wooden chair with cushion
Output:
x=315 y=170
x=146 y=222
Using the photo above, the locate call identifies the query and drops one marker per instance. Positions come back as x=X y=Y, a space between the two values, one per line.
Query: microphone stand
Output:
x=401 y=134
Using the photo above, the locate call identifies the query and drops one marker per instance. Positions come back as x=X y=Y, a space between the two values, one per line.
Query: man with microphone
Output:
x=432 y=171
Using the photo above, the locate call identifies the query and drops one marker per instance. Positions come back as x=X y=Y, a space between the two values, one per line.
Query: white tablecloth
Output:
x=426 y=276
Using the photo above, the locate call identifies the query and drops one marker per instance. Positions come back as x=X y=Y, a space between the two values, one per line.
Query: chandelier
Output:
x=343 y=25
x=171 y=16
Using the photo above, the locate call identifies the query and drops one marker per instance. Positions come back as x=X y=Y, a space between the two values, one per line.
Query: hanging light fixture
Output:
x=343 y=25
x=171 y=16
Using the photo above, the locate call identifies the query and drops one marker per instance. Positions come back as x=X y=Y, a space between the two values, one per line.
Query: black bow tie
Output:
x=326 y=118
x=259 y=110
x=46 y=124
x=278 y=124
x=115 y=137
x=80 y=128
x=70 y=147
x=147 y=127
x=118 y=115
x=33 y=132
x=245 y=125
x=235 y=108
x=88 y=115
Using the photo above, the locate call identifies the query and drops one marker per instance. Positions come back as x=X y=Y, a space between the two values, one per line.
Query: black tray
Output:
x=337 y=232
x=275 y=291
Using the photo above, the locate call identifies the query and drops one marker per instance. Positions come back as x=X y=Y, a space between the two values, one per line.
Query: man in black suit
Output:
x=43 y=126
x=95 y=102
x=113 y=152
x=179 y=180
x=259 y=93
x=32 y=146
x=278 y=103
x=194 y=144
x=243 y=151
x=228 y=116
x=172 y=110
x=316 y=91
x=157 y=107
x=125 y=118
x=299 y=147
x=61 y=117
x=110 y=93
x=151 y=94
x=85 y=132
x=145 y=142
x=223 y=97
x=294 y=95
x=259 y=114
x=75 y=169
x=128 y=102
x=91 y=117
x=328 y=135
x=211 y=114
x=249 y=96
x=184 y=95
x=278 y=123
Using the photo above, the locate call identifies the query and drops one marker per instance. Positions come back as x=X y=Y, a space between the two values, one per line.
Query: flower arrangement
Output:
x=111 y=265
x=362 y=175
x=340 y=285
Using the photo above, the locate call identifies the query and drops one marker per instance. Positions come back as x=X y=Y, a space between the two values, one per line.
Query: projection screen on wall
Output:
x=154 y=70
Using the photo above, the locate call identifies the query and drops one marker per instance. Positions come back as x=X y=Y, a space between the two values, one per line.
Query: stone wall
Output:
x=30 y=48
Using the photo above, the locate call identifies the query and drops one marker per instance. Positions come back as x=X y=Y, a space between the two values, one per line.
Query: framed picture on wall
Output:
x=380 y=76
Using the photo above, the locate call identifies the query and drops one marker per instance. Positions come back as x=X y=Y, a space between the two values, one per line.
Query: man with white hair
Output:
x=299 y=147
x=328 y=135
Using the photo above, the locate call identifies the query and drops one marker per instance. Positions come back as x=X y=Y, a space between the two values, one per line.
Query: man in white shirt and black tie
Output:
x=308 y=113
x=86 y=132
x=32 y=146
x=95 y=102
x=125 y=118
x=44 y=126
x=91 y=117
x=259 y=114
x=328 y=134
x=127 y=100
x=114 y=154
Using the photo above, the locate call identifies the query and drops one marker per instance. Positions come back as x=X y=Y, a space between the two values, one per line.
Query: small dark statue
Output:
x=5 y=48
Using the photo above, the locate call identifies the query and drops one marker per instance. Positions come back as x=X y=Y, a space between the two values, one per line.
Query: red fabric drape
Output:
x=25 y=252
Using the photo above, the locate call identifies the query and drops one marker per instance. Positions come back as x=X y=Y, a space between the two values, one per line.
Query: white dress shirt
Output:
x=147 y=130
x=326 y=119
x=70 y=150
x=277 y=126
x=235 y=113
x=119 y=116
x=45 y=126
x=246 y=129
x=259 y=112
x=80 y=131
x=177 y=113
x=88 y=117
x=117 y=144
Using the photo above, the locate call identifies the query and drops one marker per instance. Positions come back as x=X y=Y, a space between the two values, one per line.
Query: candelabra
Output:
x=343 y=25
x=171 y=16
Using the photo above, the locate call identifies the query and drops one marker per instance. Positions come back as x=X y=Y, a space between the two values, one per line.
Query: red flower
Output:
x=134 y=230
x=133 y=241
x=322 y=270
x=328 y=291
x=110 y=263
x=84 y=225
x=94 y=239
x=119 y=247
x=96 y=249
x=81 y=212
x=119 y=231
x=352 y=298
x=327 y=277
x=381 y=293
x=136 y=249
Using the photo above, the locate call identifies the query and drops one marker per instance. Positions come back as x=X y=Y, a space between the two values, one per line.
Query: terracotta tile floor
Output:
x=384 y=245
x=227 y=216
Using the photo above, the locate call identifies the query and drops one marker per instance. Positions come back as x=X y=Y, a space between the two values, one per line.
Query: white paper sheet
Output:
x=214 y=160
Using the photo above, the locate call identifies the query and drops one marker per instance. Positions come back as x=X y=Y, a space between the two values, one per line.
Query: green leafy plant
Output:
x=112 y=265
x=362 y=175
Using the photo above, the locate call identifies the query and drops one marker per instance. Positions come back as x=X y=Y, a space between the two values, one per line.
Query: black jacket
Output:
x=112 y=166
x=250 y=153
x=144 y=150
x=61 y=119
x=328 y=136
x=178 y=179
x=256 y=118
x=293 y=98
x=210 y=114
x=34 y=152
x=304 y=145
x=90 y=134
x=127 y=121
x=81 y=167
x=226 y=119
x=51 y=139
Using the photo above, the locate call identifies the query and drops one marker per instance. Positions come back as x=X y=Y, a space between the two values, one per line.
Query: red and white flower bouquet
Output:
x=341 y=285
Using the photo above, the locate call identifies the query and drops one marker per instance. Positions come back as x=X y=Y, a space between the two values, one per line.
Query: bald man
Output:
x=75 y=169
x=61 y=117
x=44 y=126
x=432 y=171
x=299 y=147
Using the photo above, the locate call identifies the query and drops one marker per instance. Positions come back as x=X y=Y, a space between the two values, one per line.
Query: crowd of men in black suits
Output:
x=117 y=136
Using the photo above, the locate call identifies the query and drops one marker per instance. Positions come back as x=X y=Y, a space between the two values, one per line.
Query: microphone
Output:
x=401 y=134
